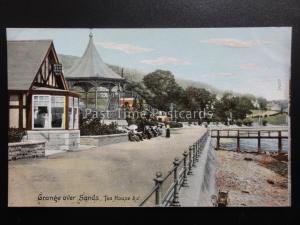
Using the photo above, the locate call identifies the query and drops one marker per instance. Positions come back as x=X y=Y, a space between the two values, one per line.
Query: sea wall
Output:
x=28 y=149
x=102 y=140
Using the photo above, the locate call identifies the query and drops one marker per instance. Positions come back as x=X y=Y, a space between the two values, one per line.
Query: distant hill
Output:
x=137 y=76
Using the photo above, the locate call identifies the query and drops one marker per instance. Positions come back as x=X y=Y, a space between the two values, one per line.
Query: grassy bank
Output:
x=279 y=119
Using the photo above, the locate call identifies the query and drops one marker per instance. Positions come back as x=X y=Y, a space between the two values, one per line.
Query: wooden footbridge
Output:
x=250 y=133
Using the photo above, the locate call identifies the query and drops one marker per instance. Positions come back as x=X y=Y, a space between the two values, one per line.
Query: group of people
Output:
x=148 y=132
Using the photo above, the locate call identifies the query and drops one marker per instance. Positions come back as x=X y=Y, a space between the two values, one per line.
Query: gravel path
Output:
x=261 y=180
x=114 y=175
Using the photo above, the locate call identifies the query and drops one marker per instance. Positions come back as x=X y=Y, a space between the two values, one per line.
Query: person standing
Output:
x=168 y=131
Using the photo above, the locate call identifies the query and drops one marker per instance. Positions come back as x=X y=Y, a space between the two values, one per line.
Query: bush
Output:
x=15 y=134
x=264 y=122
x=93 y=126
x=175 y=125
x=239 y=122
x=248 y=122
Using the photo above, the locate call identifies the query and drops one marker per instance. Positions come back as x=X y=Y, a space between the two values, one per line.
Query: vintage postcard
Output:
x=149 y=117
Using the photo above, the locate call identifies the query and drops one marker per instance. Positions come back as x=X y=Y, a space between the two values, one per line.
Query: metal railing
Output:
x=182 y=168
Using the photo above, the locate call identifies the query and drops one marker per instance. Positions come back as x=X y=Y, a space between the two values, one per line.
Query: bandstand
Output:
x=99 y=86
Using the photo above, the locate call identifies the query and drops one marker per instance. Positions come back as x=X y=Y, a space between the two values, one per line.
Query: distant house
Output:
x=39 y=99
x=273 y=106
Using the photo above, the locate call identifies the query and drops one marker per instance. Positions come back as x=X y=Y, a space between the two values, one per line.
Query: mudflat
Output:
x=253 y=179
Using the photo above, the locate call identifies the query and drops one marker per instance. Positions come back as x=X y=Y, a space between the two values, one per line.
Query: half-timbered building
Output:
x=40 y=101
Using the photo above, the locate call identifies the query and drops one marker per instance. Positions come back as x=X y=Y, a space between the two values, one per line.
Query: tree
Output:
x=198 y=98
x=230 y=105
x=160 y=89
x=242 y=108
x=262 y=102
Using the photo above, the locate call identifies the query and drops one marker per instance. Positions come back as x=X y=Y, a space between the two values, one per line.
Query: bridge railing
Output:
x=166 y=188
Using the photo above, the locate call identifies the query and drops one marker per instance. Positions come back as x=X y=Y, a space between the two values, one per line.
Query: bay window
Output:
x=49 y=112
x=76 y=113
x=41 y=111
x=70 y=115
x=57 y=111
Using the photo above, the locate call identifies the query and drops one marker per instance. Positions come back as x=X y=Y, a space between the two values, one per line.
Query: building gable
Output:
x=45 y=76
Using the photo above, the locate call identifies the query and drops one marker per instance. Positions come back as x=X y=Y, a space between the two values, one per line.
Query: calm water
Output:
x=251 y=144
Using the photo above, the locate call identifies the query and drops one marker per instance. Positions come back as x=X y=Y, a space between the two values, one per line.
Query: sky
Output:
x=244 y=60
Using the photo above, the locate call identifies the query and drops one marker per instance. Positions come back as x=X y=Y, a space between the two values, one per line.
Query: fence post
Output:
x=196 y=151
x=218 y=139
x=199 y=147
x=185 y=183
x=158 y=181
x=190 y=161
x=238 y=141
x=194 y=155
x=258 y=143
x=279 y=142
x=175 y=201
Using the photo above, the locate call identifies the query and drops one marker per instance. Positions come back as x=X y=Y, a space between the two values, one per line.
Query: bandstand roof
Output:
x=91 y=66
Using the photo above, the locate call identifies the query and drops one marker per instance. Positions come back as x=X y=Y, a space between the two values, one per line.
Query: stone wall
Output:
x=56 y=139
x=28 y=149
x=102 y=140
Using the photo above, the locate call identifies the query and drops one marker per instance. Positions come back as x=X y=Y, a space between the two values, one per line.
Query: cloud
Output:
x=249 y=66
x=127 y=48
x=165 y=60
x=233 y=43
x=221 y=75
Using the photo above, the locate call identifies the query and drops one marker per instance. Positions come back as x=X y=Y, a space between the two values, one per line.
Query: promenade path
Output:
x=113 y=175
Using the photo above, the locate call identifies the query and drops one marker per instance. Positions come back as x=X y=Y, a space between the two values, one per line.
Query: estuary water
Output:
x=250 y=145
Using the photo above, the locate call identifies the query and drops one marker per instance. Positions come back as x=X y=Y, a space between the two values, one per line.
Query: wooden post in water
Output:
x=258 y=142
x=279 y=142
x=238 y=141
x=218 y=139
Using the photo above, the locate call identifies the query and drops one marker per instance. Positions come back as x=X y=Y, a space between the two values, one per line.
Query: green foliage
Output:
x=262 y=102
x=239 y=122
x=264 y=122
x=236 y=106
x=15 y=134
x=248 y=122
x=93 y=126
x=174 y=124
x=279 y=119
x=198 y=98
x=163 y=89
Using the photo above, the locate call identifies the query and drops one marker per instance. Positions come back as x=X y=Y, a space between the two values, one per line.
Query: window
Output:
x=48 y=114
x=57 y=111
x=70 y=117
x=41 y=111
x=13 y=100
x=76 y=113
